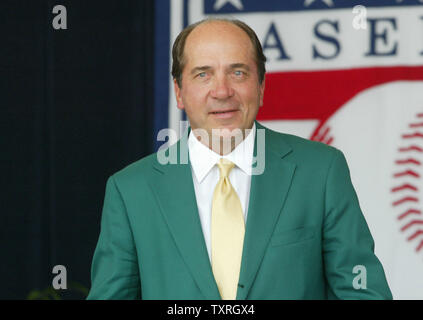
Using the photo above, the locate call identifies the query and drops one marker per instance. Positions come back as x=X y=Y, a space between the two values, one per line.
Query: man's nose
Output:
x=222 y=88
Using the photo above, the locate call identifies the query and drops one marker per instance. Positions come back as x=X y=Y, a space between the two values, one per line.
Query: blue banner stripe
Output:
x=161 y=66
x=298 y=5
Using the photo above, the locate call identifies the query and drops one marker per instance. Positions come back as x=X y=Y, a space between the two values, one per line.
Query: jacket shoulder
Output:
x=136 y=171
x=303 y=148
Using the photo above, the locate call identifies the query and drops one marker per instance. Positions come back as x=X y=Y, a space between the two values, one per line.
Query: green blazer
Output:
x=305 y=231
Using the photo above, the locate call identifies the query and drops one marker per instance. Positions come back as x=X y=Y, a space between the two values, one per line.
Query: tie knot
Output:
x=225 y=166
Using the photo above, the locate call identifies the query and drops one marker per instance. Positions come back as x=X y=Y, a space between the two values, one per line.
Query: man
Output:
x=212 y=228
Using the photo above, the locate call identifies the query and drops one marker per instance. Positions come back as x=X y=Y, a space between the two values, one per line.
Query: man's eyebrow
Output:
x=240 y=65
x=200 y=69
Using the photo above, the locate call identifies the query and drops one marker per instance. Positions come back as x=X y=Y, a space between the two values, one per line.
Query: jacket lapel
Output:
x=176 y=197
x=267 y=196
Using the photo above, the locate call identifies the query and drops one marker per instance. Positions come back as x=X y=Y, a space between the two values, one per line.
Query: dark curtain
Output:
x=76 y=105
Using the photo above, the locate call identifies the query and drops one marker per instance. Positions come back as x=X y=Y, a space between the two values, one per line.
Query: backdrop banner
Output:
x=345 y=73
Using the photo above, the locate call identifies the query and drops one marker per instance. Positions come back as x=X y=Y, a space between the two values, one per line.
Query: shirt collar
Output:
x=203 y=159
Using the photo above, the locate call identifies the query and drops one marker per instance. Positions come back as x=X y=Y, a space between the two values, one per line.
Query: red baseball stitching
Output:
x=406 y=173
x=408 y=187
x=412 y=135
x=405 y=199
x=408 y=161
x=404 y=187
x=323 y=136
x=411 y=148
x=408 y=212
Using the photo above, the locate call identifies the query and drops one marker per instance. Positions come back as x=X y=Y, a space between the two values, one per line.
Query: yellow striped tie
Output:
x=227 y=235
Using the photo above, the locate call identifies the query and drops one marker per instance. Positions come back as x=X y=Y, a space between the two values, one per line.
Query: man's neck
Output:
x=223 y=145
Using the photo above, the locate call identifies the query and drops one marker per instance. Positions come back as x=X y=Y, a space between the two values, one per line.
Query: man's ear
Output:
x=178 y=95
x=261 y=92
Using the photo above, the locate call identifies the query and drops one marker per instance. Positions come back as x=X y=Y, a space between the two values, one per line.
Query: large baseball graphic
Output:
x=380 y=131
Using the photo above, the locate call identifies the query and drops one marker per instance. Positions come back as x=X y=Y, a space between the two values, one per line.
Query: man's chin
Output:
x=227 y=132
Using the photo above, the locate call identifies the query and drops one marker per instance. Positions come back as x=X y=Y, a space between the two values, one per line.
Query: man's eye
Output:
x=202 y=75
x=238 y=73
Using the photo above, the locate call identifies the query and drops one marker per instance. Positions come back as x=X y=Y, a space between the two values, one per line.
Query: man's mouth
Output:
x=224 y=114
x=220 y=112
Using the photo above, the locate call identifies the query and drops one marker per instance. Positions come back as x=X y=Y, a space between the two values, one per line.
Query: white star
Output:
x=329 y=3
x=220 y=3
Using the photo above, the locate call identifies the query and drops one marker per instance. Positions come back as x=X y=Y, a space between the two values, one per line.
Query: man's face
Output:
x=220 y=87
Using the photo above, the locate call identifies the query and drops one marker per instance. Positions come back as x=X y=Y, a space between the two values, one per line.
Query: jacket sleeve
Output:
x=114 y=270
x=352 y=269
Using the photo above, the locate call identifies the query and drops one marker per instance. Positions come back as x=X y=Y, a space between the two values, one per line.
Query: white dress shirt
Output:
x=205 y=175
